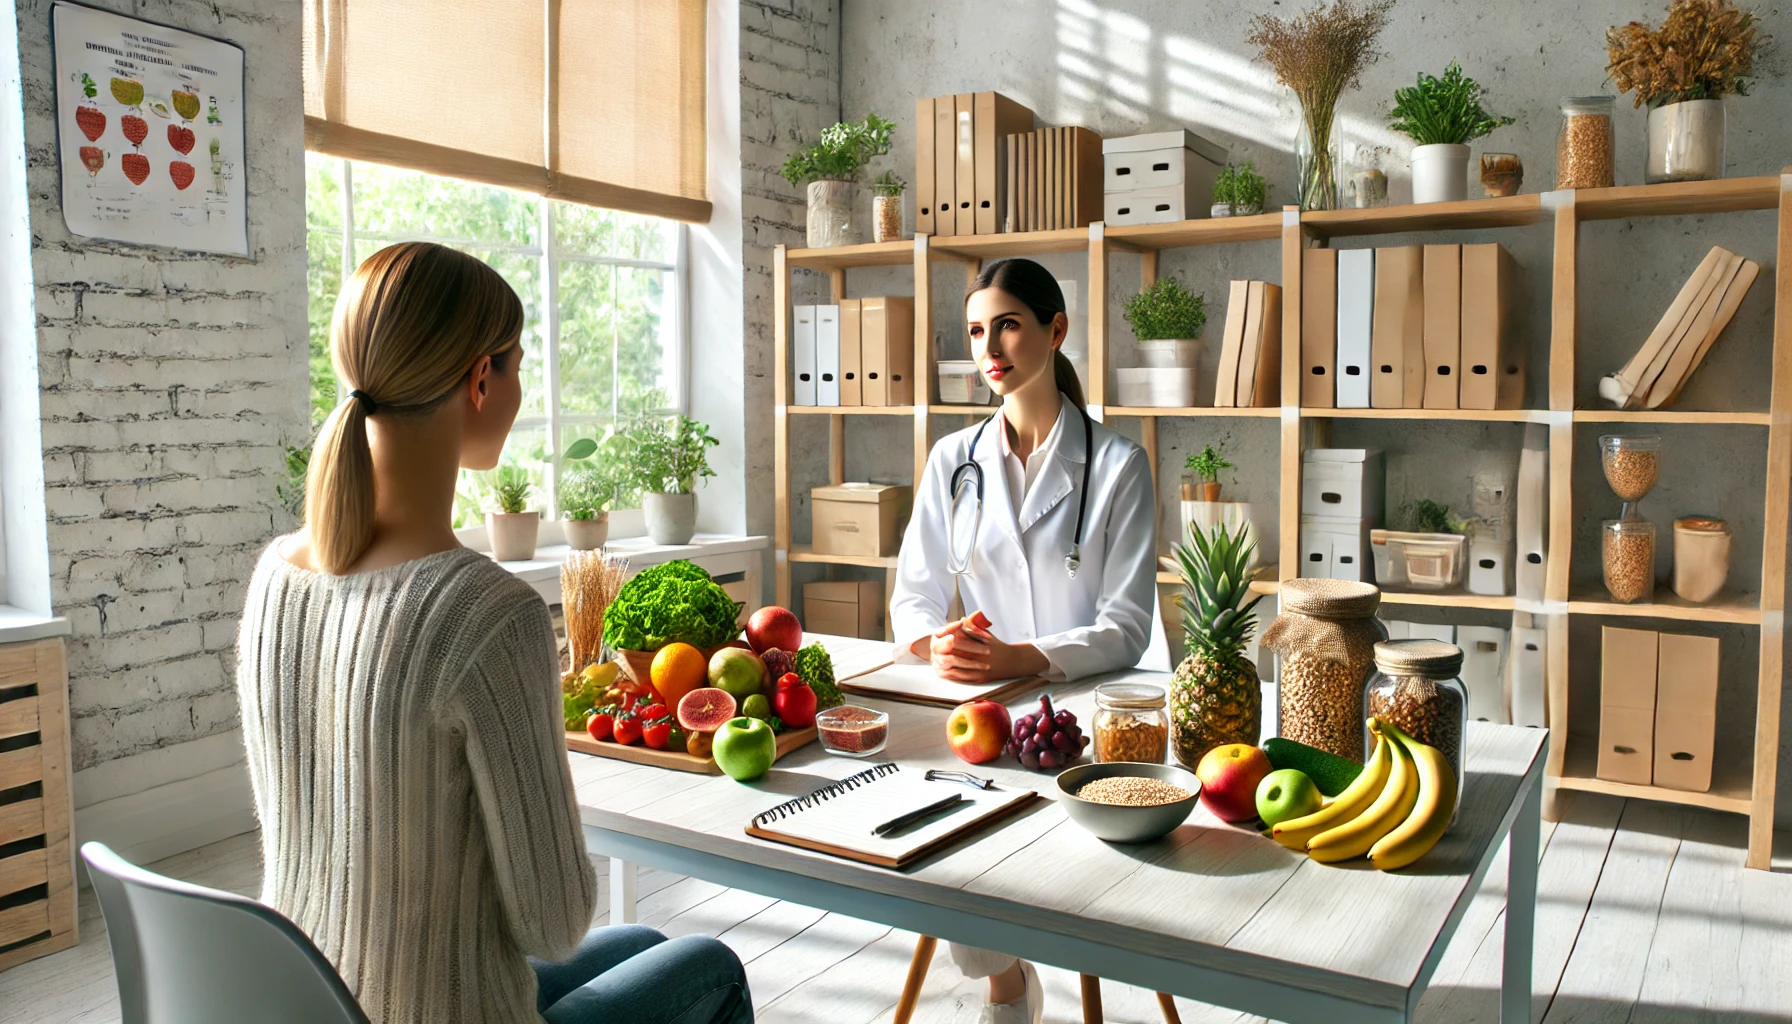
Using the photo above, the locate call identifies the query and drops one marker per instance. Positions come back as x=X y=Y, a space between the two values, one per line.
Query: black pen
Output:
x=911 y=817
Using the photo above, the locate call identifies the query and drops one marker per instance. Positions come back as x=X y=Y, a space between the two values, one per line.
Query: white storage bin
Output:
x=1154 y=388
x=961 y=384
x=1174 y=354
x=1165 y=205
x=1334 y=548
x=1343 y=483
x=1419 y=561
x=1157 y=159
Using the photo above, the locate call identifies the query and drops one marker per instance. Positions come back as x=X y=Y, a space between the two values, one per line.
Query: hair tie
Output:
x=368 y=405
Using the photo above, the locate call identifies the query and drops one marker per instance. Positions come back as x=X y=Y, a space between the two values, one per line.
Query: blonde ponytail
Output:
x=408 y=328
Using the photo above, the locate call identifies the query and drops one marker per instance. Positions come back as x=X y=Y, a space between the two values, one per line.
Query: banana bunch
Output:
x=1394 y=812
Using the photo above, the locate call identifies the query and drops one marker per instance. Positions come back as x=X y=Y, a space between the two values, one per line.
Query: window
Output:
x=602 y=293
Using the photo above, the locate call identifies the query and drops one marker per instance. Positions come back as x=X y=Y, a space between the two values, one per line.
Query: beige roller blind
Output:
x=590 y=101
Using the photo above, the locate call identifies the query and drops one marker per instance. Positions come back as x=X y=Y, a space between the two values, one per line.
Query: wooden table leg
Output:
x=1091 y=999
x=1167 y=1003
x=917 y=974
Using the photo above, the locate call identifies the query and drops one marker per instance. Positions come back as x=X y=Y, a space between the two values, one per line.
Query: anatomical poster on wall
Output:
x=149 y=128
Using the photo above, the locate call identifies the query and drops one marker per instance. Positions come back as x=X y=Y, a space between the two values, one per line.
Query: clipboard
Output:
x=916 y=684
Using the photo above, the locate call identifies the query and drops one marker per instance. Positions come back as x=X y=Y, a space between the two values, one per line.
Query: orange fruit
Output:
x=678 y=669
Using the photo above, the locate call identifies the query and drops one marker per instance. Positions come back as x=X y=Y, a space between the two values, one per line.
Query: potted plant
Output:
x=1442 y=115
x=1238 y=191
x=1318 y=54
x=589 y=490
x=1206 y=464
x=830 y=169
x=1703 y=51
x=512 y=530
x=665 y=460
x=886 y=207
x=1166 y=318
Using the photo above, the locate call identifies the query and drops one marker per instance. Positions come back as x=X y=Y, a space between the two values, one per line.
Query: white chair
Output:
x=185 y=954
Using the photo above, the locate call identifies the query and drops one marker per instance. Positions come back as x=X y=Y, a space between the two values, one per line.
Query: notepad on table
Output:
x=917 y=684
x=842 y=818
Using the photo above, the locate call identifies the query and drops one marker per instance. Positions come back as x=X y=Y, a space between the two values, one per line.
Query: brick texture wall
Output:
x=170 y=383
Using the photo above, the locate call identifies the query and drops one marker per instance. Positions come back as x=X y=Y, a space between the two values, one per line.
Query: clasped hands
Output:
x=965 y=651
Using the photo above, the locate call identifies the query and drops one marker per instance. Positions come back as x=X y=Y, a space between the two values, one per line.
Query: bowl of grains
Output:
x=1128 y=801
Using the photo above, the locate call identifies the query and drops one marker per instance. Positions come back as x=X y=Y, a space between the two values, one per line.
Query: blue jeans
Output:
x=630 y=974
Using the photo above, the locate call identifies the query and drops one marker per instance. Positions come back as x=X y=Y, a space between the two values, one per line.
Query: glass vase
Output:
x=1317 y=156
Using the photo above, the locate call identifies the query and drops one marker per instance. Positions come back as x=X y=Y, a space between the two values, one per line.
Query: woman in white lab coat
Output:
x=1062 y=558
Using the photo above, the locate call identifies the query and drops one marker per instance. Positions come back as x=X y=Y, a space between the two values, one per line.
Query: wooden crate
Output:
x=37 y=878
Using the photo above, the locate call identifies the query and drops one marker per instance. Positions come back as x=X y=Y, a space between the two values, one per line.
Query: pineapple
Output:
x=1215 y=697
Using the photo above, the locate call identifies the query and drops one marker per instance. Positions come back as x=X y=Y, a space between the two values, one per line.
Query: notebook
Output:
x=917 y=684
x=838 y=819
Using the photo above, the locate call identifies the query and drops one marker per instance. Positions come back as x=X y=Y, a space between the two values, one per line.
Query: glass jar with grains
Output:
x=1130 y=723
x=1324 y=641
x=1584 y=147
x=1417 y=689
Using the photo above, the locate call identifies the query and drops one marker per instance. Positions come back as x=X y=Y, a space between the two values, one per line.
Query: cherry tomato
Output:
x=600 y=725
x=653 y=712
x=657 y=734
x=628 y=730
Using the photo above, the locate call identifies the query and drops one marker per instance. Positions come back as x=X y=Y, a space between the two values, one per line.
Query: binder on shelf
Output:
x=1701 y=310
x=1397 y=329
x=993 y=118
x=852 y=355
x=1627 y=671
x=1086 y=204
x=1225 y=380
x=887 y=338
x=1484 y=671
x=1525 y=679
x=1532 y=515
x=965 y=164
x=1691 y=350
x=1443 y=325
x=1244 y=378
x=1492 y=360
x=1685 y=711
x=1260 y=358
x=924 y=166
x=1618 y=387
x=1356 y=309
x=945 y=165
x=827 y=355
x=802 y=341
x=1030 y=184
x=1318 y=327
x=1010 y=192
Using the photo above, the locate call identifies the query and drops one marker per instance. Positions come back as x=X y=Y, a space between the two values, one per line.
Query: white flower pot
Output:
x=830 y=213
x=587 y=534
x=512 y=534
x=1439 y=173
x=671 y=518
x=1218 y=210
x=1686 y=142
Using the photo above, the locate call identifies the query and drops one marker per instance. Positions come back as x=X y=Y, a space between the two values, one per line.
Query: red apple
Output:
x=1229 y=776
x=774 y=627
x=978 y=730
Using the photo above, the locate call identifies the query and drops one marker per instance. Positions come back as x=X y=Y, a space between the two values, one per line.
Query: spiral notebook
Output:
x=838 y=819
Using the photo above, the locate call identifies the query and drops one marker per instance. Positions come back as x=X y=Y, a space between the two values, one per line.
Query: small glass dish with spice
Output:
x=853 y=731
x=1130 y=723
x=1417 y=687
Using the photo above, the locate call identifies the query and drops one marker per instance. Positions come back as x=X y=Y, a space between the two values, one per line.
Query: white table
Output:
x=1211 y=912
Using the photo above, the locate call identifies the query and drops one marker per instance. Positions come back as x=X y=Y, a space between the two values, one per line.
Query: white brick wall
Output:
x=169 y=383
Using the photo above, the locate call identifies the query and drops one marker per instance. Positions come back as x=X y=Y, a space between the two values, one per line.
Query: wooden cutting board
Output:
x=677 y=760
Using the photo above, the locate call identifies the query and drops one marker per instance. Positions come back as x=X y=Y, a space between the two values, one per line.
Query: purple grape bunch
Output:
x=1047 y=740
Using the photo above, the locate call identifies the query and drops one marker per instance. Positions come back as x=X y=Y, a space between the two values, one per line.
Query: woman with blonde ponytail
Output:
x=401 y=700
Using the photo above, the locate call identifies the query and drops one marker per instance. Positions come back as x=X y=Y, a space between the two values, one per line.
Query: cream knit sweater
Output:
x=417 y=813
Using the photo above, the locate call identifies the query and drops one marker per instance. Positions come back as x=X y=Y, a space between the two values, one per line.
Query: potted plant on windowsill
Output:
x=830 y=170
x=665 y=460
x=587 y=490
x=1703 y=51
x=1239 y=191
x=1442 y=115
x=886 y=207
x=511 y=530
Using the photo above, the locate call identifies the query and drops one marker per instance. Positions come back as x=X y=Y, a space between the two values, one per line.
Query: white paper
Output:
x=919 y=681
x=150 y=133
x=846 y=819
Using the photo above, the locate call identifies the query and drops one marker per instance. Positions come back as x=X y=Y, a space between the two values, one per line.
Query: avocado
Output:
x=1328 y=771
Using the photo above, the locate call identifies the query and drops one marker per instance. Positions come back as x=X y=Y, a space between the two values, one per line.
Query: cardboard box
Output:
x=1443 y=325
x=924 y=167
x=887 y=349
x=1397 y=334
x=1627 y=667
x=1335 y=548
x=1161 y=158
x=1626 y=744
x=859 y=518
x=1318 y=327
x=1492 y=359
x=945 y=165
x=1348 y=483
x=844 y=609
x=993 y=118
x=964 y=165
x=852 y=357
x=1685 y=711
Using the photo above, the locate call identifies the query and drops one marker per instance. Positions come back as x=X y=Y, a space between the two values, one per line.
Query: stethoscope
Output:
x=967 y=481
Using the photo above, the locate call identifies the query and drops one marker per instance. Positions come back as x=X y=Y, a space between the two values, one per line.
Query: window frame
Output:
x=623 y=522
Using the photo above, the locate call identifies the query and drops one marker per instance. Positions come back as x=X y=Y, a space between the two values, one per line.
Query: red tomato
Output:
x=600 y=725
x=628 y=730
x=657 y=734
x=795 y=704
x=789 y=679
x=653 y=711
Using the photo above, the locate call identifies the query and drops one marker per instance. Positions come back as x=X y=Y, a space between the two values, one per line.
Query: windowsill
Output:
x=18 y=625
x=640 y=552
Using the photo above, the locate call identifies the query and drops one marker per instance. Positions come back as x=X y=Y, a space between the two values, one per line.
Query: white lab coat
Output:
x=1100 y=621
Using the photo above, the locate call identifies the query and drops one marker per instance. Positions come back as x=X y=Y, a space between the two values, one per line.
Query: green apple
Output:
x=745 y=748
x=1286 y=794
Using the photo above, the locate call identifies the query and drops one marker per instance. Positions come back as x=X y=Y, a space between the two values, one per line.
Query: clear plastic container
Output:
x=1585 y=145
x=1701 y=557
x=1632 y=465
x=1130 y=723
x=853 y=731
x=1418 y=687
x=1627 y=550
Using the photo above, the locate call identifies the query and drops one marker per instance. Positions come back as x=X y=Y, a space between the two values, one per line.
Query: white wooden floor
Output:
x=1644 y=915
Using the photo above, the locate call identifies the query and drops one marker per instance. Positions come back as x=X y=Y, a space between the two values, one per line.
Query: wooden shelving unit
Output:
x=1750 y=791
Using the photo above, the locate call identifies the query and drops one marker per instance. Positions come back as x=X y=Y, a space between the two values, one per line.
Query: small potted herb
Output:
x=665 y=461
x=830 y=169
x=1239 y=191
x=511 y=530
x=1442 y=115
x=1166 y=318
x=588 y=490
x=1703 y=51
x=1206 y=464
x=886 y=207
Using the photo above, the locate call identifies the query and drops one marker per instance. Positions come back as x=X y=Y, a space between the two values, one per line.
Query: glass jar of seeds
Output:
x=1584 y=147
x=1130 y=723
x=1632 y=464
x=1417 y=688
x=1628 y=553
x=1324 y=641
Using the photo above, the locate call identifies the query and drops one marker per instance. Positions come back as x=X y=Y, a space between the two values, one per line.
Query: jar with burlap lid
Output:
x=1418 y=688
x=1324 y=641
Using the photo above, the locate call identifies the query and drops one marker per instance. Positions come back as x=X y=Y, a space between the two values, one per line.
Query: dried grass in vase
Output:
x=1704 y=50
x=1318 y=54
x=589 y=581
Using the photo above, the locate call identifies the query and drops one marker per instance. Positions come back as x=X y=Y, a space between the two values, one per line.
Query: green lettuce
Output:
x=813 y=666
x=670 y=603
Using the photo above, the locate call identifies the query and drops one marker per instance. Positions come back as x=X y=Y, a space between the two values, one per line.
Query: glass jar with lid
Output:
x=1627 y=553
x=1324 y=642
x=1585 y=145
x=1418 y=688
x=1130 y=723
